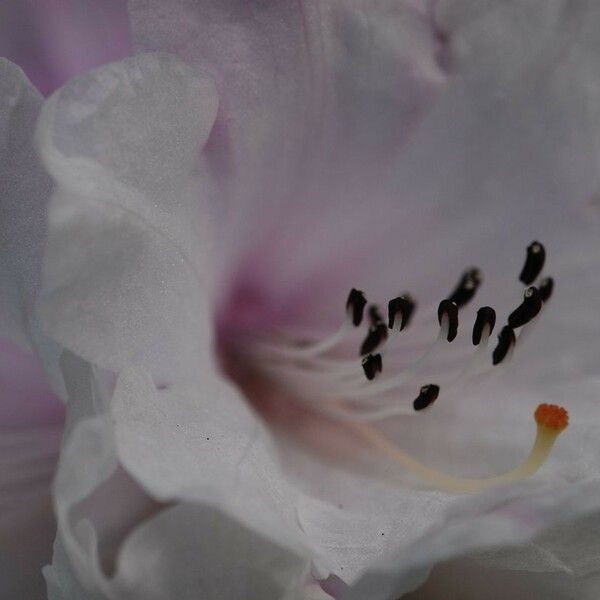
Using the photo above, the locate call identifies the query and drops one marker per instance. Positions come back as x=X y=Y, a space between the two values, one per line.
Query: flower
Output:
x=201 y=210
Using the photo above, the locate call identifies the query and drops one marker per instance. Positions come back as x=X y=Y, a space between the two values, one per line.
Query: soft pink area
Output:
x=25 y=398
x=53 y=40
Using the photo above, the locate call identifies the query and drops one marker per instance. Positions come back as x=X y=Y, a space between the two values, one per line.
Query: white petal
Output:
x=183 y=551
x=196 y=551
x=24 y=190
x=203 y=444
x=123 y=279
x=562 y=562
x=507 y=518
x=571 y=549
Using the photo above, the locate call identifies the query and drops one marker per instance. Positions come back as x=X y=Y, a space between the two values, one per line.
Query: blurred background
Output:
x=52 y=40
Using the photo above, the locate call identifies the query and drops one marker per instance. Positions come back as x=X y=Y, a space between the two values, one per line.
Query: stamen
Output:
x=333 y=384
x=466 y=287
x=449 y=310
x=355 y=306
x=278 y=349
x=369 y=390
x=376 y=335
x=546 y=288
x=486 y=317
x=375 y=316
x=506 y=341
x=372 y=364
x=427 y=396
x=403 y=307
x=551 y=420
x=534 y=263
x=527 y=310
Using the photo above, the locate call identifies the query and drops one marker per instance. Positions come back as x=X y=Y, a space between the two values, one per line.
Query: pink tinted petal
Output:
x=317 y=101
x=292 y=74
x=30 y=428
x=52 y=40
x=25 y=398
x=363 y=189
x=26 y=536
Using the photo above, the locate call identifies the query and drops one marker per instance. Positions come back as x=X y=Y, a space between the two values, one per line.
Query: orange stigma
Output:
x=552 y=416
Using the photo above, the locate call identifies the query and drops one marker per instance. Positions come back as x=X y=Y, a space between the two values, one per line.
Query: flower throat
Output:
x=359 y=392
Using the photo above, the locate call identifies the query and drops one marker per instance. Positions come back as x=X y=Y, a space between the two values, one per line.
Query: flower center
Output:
x=341 y=375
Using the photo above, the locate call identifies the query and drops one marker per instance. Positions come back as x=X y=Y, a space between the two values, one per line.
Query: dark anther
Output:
x=466 y=287
x=534 y=263
x=376 y=335
x=355 y=306
x=506 y=340
x=403 y=307
x=449 y=309
x=486 y=317
x=375 y=315
x=372 y=365
x=427 y=396
x=546 y=288
x=529 y=308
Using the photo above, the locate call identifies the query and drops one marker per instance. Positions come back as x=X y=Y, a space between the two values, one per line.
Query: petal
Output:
x=316 y=104
x=490 y=521
x=495 y=143
x=181 y=551
x=25 y=399
x=471 y=580
x=124 y=281
x=27 y=524
x=30 y=429
x=562 y=562
x=570 y=549
x=24 y=189
x=53 y=41
x=203 y=444
x=161 y=559
x=291 y=72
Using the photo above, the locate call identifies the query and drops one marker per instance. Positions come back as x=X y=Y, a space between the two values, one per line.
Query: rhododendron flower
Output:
x=321 y=280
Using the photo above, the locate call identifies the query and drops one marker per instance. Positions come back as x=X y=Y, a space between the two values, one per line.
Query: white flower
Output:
x=201 y=211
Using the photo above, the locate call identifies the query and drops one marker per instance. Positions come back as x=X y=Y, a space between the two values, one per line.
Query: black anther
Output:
x=404 y=307
x=546 y=288
x=449 y=309
x=355 y=305
x=486 y=317
x=466 y=287
x=376 y=335
x=375 y=315
x=534 y=263
x=427 y=396
x=529 y=308
x=506 y=340
x=372 y=365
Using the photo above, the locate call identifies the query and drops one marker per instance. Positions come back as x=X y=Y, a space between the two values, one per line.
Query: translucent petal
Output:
x=164 y=555
x=123 y=282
